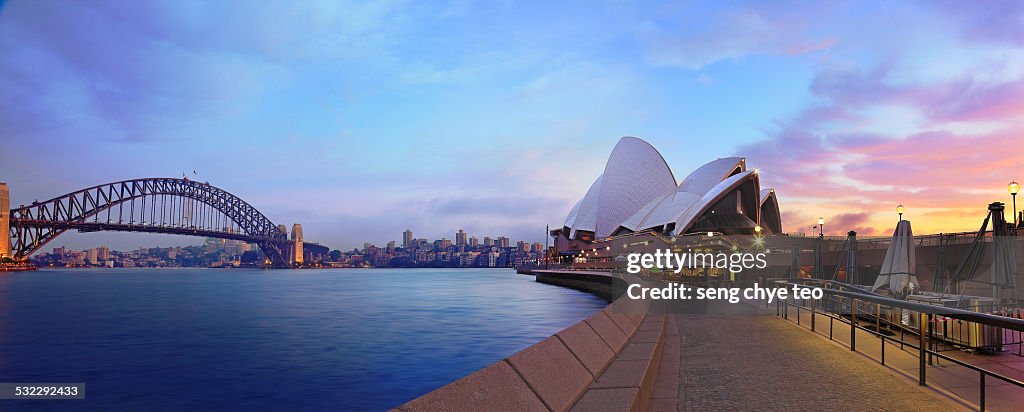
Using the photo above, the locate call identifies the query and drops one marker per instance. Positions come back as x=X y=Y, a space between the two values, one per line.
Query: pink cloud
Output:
x=822 y=160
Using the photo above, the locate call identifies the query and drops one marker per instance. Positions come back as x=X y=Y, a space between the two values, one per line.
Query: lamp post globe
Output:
x=821 y=226
x=900 y=209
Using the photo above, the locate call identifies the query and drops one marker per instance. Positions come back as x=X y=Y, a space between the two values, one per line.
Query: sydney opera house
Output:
x=638 y=193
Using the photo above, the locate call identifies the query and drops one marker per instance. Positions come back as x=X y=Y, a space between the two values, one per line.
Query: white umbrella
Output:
x=900 y=263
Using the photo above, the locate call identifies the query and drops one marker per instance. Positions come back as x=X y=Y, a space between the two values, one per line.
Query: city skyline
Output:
x=849 y=110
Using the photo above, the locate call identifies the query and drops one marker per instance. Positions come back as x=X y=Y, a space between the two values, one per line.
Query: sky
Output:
x=362 y=119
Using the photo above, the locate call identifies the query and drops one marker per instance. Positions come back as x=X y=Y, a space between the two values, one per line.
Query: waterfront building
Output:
x=297 y=255
x=637 y=192
x=460 y=238
x=488 y=242
x=474 y=242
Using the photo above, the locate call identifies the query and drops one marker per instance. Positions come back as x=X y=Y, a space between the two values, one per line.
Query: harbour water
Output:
x=240 y=339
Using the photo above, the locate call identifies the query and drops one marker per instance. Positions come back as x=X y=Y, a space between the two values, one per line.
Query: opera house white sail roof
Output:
x=638 y=192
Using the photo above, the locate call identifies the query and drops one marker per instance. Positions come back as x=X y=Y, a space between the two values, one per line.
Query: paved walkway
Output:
x=738 y=357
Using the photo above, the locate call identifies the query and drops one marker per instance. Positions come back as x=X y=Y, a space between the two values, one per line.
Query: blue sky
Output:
x=362 y=119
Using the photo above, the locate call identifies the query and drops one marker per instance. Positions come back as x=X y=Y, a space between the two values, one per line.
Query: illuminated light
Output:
x=821 y=221
x=1013 y=187
x=900 y=209
x=757 y=229
x=710 y=234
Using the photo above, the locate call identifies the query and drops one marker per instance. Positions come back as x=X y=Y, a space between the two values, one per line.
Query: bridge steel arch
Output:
x=151 y=205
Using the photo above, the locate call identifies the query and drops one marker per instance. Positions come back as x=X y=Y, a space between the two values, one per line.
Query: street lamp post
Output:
x=821 y=227
x=900 y=209
x=1014 y=188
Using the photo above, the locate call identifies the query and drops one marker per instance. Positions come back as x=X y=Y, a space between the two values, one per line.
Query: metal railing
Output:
x=925 y=332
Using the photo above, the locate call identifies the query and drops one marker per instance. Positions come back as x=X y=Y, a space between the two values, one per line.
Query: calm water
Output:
x=215 y=339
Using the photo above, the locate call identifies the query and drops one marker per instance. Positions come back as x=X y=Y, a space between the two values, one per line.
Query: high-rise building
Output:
x=407 y=239
x=460 y=238
x=92 y=255
x=297 y=243
x=501 y=241
x=103 y=253
x=445 y=243
x=5 y=220
x=488 y=242
x=474 y=241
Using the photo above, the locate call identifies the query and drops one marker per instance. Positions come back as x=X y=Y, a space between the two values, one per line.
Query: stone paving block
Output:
x=606 y=329
x=623 y=374
x=612 y=400
x=553 y=372
x=653 y=322
x=664 y=405
x=638 y=351
x=646 y=336
x=496 y=387
x=584 y=342
x=623 y=322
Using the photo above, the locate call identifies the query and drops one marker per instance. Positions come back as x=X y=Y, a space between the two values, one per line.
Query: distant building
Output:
x=501 y=242
x=297 y=256
x=460 y=238
x=407 y=239
x=5 y=220
x=474 y=242
x=488 y=242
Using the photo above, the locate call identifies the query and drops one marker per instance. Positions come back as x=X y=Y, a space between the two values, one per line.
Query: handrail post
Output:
x=853 y=324
x=883 y=349
x=812 y=315
x=922 y=324
x=982 y=403
x=931 y=338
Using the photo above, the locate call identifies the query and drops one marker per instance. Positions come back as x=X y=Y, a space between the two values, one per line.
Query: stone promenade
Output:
x=739 y=357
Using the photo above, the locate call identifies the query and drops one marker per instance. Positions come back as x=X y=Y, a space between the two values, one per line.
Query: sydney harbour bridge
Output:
x=151 y=205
